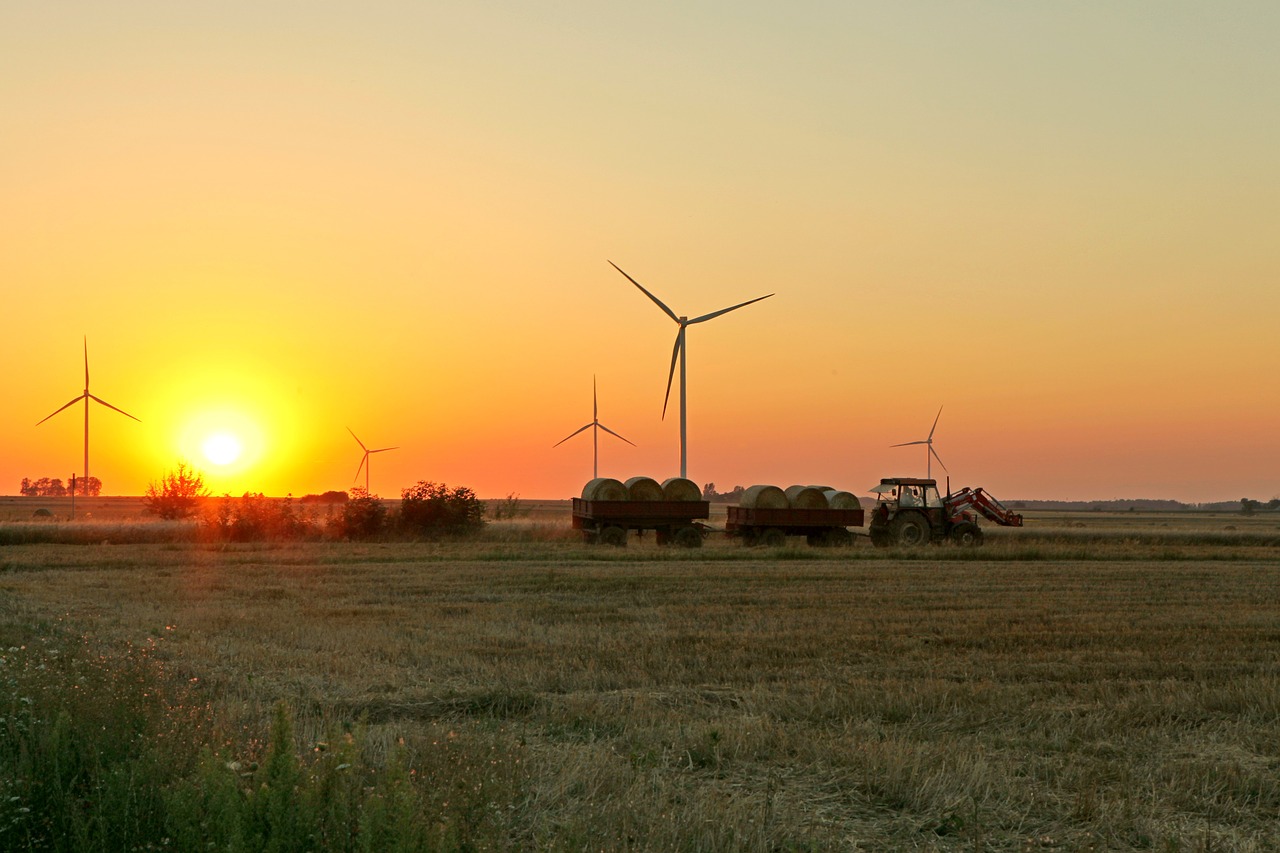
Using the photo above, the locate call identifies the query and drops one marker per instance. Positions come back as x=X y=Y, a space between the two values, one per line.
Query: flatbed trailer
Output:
x=771 y=527
x=608 y=522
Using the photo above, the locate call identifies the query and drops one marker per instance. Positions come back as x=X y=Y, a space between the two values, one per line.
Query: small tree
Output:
x=363 y=515
x=434 y=508
x=178 y=493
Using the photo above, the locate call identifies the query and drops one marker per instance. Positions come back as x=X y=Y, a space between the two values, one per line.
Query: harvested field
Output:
x=725 y=699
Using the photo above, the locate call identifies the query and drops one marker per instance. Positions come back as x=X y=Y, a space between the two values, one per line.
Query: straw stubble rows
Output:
x=709 y=703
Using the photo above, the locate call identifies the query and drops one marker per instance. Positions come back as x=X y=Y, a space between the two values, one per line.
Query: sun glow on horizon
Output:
x=221 y=448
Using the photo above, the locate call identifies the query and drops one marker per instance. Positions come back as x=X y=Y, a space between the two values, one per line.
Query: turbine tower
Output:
x=364 y=460
x=86 y=396
x=678 y=352
x=928 y=442
x=595 y=426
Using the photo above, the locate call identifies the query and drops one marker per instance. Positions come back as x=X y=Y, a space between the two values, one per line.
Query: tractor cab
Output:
x=896 y=493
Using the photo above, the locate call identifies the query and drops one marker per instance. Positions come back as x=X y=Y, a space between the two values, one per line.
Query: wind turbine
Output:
x=679 y=352
x=86 y=396
x=364 y=460
x=929 y=443
x=595 y=433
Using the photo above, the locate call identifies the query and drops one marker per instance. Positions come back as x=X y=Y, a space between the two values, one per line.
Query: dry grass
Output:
x=729 y=699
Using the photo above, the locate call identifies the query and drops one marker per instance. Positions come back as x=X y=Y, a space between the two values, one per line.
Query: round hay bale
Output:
x=680 y=489
x=805 y=497
x=764 y=497
x=643 y=489
x=823 y=489
x=41 y=513
x=837 y=499
x=604 y=489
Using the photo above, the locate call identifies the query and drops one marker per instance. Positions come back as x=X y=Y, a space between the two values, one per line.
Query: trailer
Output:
x=608 y=522
x=770 y=527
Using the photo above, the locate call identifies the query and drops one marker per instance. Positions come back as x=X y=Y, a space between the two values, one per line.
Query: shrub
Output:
x=363 y=515
x=435 y=509
x=178 y=493
x=253 y=518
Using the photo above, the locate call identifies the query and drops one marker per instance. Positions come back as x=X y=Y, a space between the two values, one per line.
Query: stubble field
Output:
x=1107 y=686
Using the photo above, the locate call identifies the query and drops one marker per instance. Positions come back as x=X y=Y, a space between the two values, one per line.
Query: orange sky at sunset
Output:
x=275 y=222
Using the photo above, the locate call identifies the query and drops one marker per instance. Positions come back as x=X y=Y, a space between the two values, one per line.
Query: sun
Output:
x=221 y=448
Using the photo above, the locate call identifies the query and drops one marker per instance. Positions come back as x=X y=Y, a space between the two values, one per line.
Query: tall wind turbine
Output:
x=364 y=460
x=86 y=396
x=931 y=452
x=678 y=352
x=595 y=426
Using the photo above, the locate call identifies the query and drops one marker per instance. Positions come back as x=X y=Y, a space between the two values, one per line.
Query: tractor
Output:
x=911 y=512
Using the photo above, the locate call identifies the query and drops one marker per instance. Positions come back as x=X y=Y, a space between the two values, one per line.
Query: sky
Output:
x=277 y=222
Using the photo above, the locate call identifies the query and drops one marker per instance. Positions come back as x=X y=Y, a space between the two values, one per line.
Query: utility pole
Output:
x=73 y=495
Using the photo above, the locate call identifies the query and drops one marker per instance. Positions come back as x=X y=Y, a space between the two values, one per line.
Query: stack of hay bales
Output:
x=641 y=489
x=798 y=497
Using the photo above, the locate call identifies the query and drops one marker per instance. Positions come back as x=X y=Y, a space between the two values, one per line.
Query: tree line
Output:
x=46 y=487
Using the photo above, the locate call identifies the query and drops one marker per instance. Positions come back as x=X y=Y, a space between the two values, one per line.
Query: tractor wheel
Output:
x=910 y=530
x=879 y=534
x=613 y=535
x=772 y=537
x=687 y=537
x=966 y=534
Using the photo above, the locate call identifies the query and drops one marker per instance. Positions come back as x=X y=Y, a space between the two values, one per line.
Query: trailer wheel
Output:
x=614 y=535
x=663 y=535
x=966 y=534
x=772 y=537
x=687 y=537
x=838 y=537
x=909 y=530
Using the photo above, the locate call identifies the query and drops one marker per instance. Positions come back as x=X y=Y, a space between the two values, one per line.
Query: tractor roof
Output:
x=906 y=481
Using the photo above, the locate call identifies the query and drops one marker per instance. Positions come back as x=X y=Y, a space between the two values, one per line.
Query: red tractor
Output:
x=910 y=511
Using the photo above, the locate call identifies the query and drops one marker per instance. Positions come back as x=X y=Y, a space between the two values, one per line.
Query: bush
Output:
x=363 y=516
x=435 y=509
x=254 y=518
x=178 y=493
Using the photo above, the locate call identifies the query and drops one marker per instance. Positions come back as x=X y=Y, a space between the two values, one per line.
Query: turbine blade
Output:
x=675 y=353
x=595 y=401
x=72 y=403
x=109 y=406
x=715 y=314
x=908 y=443
x=86 y=364
x=381 y=449
x=655 y=299
x=358 y=441
x=939 y=458
x=360 y=467
x=615 y=435
x=572 y=434
x=935 y=425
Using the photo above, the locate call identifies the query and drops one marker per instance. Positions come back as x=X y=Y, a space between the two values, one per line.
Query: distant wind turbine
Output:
x=678 y=352
x=928 y=442
x=364 y=460
x=595 y=426
x=86 y=396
